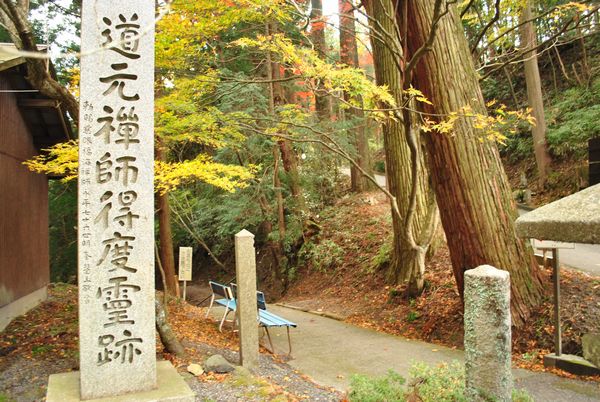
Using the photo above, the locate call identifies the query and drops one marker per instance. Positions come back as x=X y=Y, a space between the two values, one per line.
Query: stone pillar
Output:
x=487 y=334
x=245 y=271
x=116 y=193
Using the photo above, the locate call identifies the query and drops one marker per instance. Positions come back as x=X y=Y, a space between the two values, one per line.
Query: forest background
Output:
x=263 y=105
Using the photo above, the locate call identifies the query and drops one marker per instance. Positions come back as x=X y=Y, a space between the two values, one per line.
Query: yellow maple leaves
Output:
x=61 y=160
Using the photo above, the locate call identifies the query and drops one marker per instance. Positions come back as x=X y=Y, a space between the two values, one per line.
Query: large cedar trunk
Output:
x=534 y=94
x=407 y=263
x=471 y=187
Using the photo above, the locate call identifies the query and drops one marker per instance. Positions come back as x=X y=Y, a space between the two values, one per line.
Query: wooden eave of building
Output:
x=46 y=119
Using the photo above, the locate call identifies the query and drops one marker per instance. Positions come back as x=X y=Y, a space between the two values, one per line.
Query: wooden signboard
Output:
x=185 y=263
x=185 y=267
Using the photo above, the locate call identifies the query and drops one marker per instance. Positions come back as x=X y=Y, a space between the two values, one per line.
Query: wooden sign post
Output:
x=185 y=267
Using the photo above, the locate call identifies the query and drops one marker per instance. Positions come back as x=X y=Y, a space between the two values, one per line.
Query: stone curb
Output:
x=320 y=313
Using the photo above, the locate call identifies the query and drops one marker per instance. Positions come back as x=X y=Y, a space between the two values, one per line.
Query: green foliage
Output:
x=573 y=119
x=442 y=383
x=40 y=350
x=62 y=231
x=380 y=166
x=383 y=257
x=213 y=216
x=323 y=255
x=520 y=395
x=413 y=316
x=385 y=388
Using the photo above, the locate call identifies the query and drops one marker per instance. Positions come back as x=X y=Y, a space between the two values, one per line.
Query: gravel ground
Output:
x=279 y=374
x=45 y=342
x=25 y=380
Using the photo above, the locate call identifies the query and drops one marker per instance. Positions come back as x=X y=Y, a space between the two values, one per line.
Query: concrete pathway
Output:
x=330 y=352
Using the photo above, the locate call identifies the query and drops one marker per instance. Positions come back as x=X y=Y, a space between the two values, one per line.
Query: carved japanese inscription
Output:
x=116 y=226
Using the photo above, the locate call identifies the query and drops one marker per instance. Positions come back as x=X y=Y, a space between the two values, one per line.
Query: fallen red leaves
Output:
x=50 y=329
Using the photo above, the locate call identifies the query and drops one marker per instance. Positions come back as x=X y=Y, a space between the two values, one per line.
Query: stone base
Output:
x=64 y=387
x=571 y=364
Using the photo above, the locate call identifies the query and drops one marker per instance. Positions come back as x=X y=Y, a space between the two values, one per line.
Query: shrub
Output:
x=573 y=120
x=571 y=117
x=442 y=383
x=379 y=166
x=382 y=258
x=322 y=256
x=386 y=388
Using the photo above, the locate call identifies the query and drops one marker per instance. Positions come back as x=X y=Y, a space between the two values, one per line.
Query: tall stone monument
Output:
x=116 y=211
x=116 y=193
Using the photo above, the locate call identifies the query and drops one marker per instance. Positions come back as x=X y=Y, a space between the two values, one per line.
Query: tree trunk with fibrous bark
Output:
x=534 y=94
x=472 y=190
x=407 y=262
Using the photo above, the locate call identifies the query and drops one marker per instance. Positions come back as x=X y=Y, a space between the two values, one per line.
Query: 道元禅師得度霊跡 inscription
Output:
x=116 y=225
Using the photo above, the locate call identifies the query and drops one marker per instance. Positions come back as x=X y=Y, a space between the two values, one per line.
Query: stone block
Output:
x=574 y=219
x=591 y=348
x=571 y=364
x=218 y=364
x=171 y=387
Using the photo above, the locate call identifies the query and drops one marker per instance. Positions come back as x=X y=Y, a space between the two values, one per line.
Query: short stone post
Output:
x=488 y=334
x=245 y=271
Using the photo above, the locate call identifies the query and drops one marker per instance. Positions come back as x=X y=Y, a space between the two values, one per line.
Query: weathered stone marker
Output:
x=116 y=212
x=245 y=271
x=488 y=334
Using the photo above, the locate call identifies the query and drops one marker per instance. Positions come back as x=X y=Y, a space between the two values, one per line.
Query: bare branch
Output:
x=491 y=22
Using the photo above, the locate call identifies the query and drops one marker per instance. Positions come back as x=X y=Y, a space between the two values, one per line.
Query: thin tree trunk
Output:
x=167 y=336
x=511 y=86
x=349 y=57
x=166 y=252
x=288 y=156
x=562 y=65
x=317 y=36
x=279 y=197
x=471 y=187
x=586 y=72
x=275 y=93
x=407 y=262
x=534 y=95
x=554 y=81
